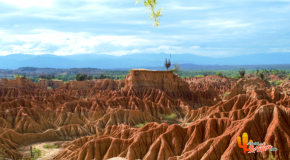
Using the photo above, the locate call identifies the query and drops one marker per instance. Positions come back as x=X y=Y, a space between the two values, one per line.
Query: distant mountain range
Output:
x=149 y=61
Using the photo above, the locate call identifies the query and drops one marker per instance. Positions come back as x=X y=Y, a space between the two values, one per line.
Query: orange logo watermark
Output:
x=260 y=147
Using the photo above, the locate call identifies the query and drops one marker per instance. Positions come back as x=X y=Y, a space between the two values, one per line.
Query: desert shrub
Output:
x=169 y=117
x=239 y=77
x=227 y=93
x=174 y=70
x=37 y=153
x=48 y=146
x=277 y=83
x=199 y=76
x=48 y=87
x=142 y=124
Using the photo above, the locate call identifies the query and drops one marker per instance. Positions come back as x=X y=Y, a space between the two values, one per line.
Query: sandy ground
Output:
x=49 y=153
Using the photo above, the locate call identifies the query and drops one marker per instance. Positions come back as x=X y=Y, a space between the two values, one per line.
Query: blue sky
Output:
x=213 y=28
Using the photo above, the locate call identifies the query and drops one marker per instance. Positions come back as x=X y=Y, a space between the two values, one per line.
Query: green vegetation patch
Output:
x=277 y=83
x=17 y=75
x=271 y=157
x=2 y=155
x=169 y=117
x=227 y=93
x=142 y=124
x=38 y=152
x=50 y=146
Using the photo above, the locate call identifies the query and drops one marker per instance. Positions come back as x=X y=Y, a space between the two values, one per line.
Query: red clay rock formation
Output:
x=18 y=83
x=109 y=84
x=273 y=77
x=220 y=84
x=76 y=85
x=209 y=138
x=42 y=83
x=250 y=75
x=101 y=121
x=247 y=85
x=284 y=85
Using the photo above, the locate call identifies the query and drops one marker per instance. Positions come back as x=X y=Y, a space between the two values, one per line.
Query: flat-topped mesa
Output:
x=18 y=83
x=163 y=80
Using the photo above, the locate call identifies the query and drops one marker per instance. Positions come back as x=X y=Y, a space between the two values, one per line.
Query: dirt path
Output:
x=48 y=153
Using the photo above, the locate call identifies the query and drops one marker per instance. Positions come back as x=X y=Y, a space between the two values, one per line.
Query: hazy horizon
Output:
x=209 y=28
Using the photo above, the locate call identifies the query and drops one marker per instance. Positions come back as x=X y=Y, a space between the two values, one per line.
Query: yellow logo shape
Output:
x=245 y=142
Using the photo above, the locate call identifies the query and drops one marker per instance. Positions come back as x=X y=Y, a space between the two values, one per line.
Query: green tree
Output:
x=90 y=77
x=219 y=74
x=81 y=77
x=155 y=14
x=102 y=76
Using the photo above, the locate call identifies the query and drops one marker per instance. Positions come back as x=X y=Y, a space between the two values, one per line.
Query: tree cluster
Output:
x=83 y=77
x=49 y=76
x=102 y=76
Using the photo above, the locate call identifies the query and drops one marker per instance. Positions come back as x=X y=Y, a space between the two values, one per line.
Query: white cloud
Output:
x=279 y=50
x=208 y=28
x=194 y=47
x=229 y=24
x=67 y=43
x=188 y=8
x=2 y=32
x=30 y=3
x=132 y=22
